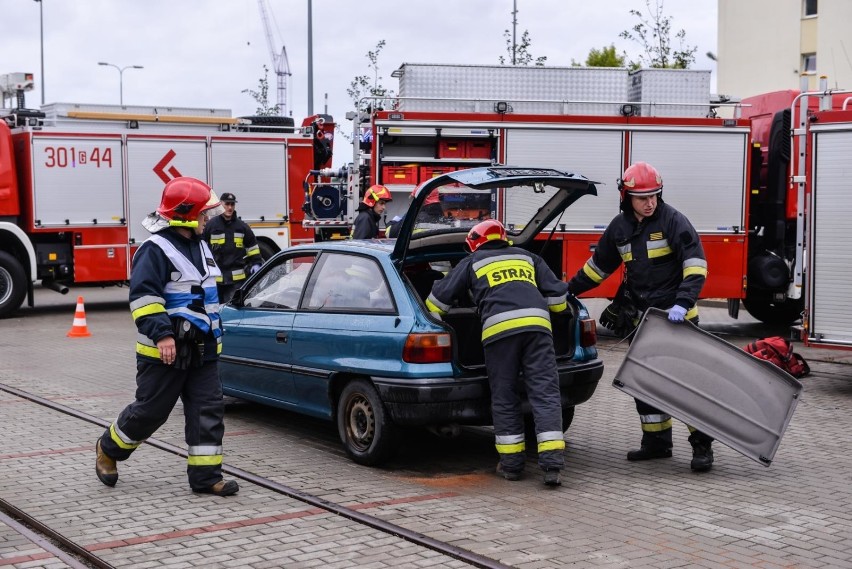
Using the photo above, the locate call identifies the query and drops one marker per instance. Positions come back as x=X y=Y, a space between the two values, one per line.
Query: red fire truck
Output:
x=76 y=181
x=809 y=145
x=592 y=121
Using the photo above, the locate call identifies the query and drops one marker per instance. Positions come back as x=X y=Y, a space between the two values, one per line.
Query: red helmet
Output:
x=433 y=197
x=483 y=232
x=376 y=193
x=640 y=179
x=184 y=199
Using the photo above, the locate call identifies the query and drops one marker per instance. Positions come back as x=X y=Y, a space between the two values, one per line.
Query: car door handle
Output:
x=281 y=337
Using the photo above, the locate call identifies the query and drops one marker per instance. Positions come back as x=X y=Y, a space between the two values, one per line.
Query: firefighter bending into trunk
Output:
x=175 y=306
x=664 y=267
x=514 y=291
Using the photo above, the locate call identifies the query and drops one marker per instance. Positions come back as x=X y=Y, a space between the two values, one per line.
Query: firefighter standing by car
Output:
x=234 y=247
x=514 y=291
x=174 y=303
x=664 y=267
x=370 y=210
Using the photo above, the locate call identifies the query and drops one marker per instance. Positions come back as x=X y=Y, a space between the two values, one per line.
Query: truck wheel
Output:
x=266 y=250
x=13 y=284
x=368 y=434
x=774 y=313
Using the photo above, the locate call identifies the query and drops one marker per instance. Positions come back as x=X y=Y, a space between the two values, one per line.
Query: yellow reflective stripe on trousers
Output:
x=551 y=445
x=204 y=455
x=657 y=427
x=515 y=323
x=119 y=438
x=204 y=460
x=512 y=448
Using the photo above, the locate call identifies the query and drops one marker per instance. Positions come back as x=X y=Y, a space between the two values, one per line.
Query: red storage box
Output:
x=451 y=148
x=406 y=174
x=478 y=149
x=429 y=172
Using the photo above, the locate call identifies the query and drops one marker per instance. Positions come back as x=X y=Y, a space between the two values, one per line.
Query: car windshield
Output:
x=453 y=208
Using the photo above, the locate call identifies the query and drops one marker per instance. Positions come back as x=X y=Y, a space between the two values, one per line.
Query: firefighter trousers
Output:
x=531 y=353
x=158 y=388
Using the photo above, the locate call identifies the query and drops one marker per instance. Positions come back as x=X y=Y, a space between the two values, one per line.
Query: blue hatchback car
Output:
x=339 y=329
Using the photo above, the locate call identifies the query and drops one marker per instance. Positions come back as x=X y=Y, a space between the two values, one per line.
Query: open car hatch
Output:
x=742 y=401
x=463 y=198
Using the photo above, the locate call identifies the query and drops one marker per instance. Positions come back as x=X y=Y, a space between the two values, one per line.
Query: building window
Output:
x=809 y=63
x=810 y=7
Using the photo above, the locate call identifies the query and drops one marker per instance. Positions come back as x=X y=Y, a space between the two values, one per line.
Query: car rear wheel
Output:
x=368 y=434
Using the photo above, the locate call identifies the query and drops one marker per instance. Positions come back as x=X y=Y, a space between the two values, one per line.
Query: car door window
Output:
x=281 y=286
x=348 y=282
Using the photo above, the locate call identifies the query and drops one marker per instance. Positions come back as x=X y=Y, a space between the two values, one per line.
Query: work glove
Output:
x=677 y=313
x=609 y=316
x=254 y=269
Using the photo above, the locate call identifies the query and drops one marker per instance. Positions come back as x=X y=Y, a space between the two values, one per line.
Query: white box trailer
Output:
x=526 y=89
x=671 y=92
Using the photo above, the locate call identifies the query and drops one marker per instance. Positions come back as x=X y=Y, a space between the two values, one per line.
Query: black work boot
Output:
x=649 y=453
x=510 y=475
x=221 y=488
x=702 y=456
x=105 y=467
x=552 y=478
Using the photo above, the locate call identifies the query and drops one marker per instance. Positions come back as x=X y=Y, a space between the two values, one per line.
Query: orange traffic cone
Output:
x=79 y=328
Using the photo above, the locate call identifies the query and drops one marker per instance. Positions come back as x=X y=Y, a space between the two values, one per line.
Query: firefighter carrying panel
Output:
x=830 y=255
x=744 y=402
x=77 y=181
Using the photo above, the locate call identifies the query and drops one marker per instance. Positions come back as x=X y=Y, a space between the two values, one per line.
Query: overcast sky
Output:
x=204 y=53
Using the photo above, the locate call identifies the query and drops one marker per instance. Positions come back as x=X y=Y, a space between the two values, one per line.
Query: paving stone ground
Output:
x=608 y=513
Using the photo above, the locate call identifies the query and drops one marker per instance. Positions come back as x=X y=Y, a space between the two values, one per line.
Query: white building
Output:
x=768 y=45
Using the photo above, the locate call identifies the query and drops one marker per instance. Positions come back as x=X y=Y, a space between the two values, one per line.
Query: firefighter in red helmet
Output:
x=664 y=267
x=370 y=211
x=175 y=307
x=514 y=291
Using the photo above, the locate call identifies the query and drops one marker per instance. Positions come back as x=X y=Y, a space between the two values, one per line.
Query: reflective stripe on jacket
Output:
x=663 y=258
x=165 y=283
x=514 y=290
x=234 y=247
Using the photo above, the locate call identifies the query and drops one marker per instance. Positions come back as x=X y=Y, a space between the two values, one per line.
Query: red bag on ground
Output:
x=779 y=351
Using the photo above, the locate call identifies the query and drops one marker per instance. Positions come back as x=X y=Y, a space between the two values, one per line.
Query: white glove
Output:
x=254 y=269
x=677 y=313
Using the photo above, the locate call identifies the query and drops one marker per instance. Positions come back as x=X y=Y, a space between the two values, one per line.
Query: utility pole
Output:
x=514 y=30
x=310 y=59
x=41 y=38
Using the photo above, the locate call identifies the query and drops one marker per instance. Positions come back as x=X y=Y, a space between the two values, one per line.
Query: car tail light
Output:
x=588 y=333
x=427 y=348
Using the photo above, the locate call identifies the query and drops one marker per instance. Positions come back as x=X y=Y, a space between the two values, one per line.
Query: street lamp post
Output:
x=120 y=77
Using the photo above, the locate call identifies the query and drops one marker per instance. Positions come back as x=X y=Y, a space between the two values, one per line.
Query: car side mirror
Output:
x=238 y=298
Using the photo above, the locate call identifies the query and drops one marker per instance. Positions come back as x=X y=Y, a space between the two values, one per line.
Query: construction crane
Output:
x=280 y=64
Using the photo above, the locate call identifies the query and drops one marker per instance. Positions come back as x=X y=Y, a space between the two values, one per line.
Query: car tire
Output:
x=368 y=434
